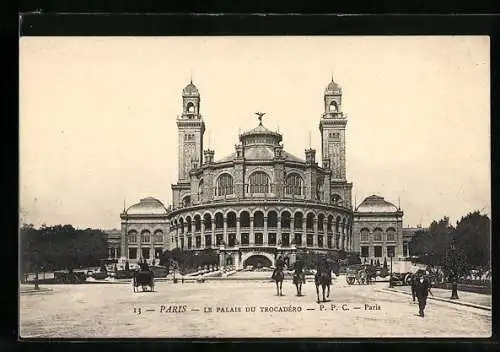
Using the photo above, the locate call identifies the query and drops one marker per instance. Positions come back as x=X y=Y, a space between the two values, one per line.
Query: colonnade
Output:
x=277 y=229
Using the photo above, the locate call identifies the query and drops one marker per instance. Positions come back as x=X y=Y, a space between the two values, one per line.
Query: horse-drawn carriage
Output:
x=143 y=278
x=361 y=274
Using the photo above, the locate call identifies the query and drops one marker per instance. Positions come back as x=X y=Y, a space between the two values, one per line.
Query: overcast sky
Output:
x=97 y=116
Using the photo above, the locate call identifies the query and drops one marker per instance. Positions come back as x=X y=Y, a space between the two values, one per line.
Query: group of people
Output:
x=143 y=265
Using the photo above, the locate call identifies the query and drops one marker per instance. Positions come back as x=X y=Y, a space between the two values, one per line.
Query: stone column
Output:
x=213 y=230
x=292 y=232
x=278 y=230
x=202 y=232
x=225 y=237
x=238 y=230
x=152 y=247
x=264 y=235
x=315 y=229
x=304 y=231
x=251 y=236
x=139 y=245
x=342 y=233
x=123 y=242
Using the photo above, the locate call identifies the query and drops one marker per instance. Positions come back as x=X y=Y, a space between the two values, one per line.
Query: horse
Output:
x=298 y=279
x=323 y=278
x=278 y=277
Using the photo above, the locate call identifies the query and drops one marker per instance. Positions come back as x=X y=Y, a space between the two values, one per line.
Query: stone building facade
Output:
x=255 y=203
x=144 y=230
x=378 y=230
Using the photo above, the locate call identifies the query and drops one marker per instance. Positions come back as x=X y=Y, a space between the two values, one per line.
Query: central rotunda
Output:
x=261 y=201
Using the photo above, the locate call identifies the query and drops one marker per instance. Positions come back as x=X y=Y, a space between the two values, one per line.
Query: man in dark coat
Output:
x=422 y=287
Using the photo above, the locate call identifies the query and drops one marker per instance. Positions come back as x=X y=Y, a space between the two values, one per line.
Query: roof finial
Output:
x=399 y=203
x=260 y=114
x=191 y=76
x=124 y=204
x=332 y=75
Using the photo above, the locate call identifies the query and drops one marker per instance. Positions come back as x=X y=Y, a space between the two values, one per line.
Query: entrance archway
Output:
x=257 y=261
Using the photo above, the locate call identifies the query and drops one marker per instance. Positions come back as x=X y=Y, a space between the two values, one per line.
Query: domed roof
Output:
x=376 y=204
x=190 y=90
x=147 y=206
x=274 y=137
x=333 y=88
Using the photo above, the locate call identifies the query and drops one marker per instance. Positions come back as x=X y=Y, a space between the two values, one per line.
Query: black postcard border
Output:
x=40 y=23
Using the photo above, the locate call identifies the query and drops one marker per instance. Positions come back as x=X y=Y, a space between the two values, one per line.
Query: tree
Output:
x=430 y=245
x=61 y=247
x=472 y=238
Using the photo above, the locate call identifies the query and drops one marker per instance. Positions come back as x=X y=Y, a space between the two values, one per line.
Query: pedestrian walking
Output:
x=413 y=283
x=422 y=288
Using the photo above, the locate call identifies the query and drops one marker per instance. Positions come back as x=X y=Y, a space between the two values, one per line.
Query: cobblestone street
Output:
x=178 y=310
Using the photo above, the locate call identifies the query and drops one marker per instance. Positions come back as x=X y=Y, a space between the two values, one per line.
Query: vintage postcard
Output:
x=263 y=187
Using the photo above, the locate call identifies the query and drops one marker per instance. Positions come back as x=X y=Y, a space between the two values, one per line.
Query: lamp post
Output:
x=390 y=276
x=454 y=273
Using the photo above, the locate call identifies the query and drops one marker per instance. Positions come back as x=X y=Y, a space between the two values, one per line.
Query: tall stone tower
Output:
x=332 y=127
x=190 y=128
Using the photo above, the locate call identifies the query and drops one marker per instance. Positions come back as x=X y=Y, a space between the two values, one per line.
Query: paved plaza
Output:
x=218 y=309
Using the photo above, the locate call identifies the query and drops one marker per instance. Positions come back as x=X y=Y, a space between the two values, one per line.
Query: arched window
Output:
x=219 y=221
x=245 y=219
x=364 y=234
x=329 y=224
x=186 y=201
x=286 y=219
x=259 y=182
x=190 y=107
x=146 y=236
x=224 y=185
x=272 y=219
x=377 y=234
x=391 y=232
x=197 y=223
x=333 y=106
x=231 y=219
x=158 y=236
x=200 y=188
x=321 y=221
x=132 y=236
x=336 y=198
x=181 y=225
x=294 y=184
x=207 y=221
x=258 y=219
x=310 y=221
x=298 y=220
